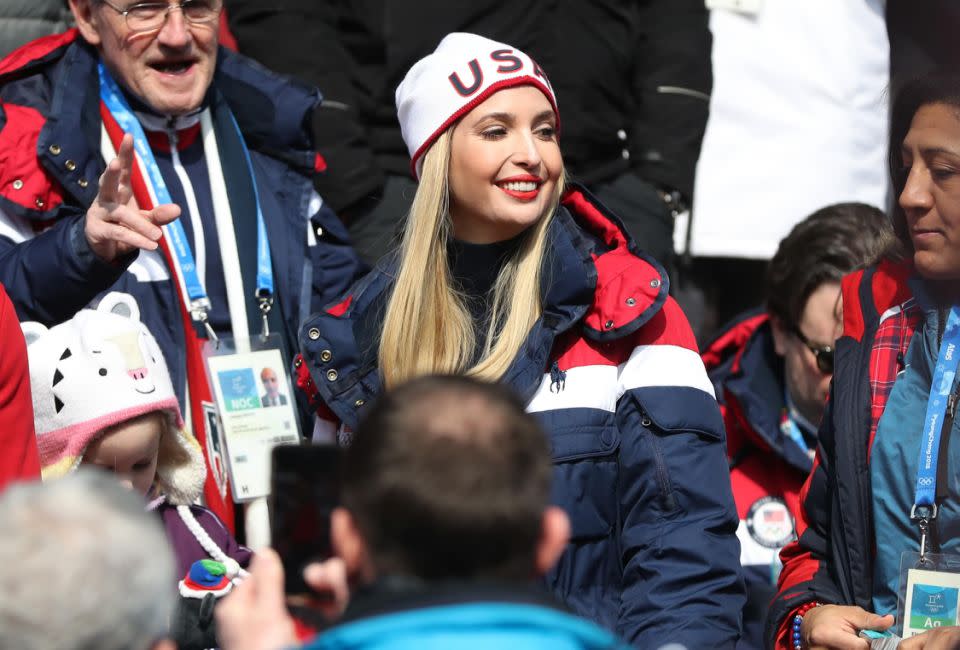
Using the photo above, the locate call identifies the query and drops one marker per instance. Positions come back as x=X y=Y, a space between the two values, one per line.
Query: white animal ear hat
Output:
x=460 y=74
x=97 y=370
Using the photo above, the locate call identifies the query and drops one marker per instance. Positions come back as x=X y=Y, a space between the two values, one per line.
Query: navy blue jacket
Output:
x=832 y=560
x=611 y=369
x=50 y=163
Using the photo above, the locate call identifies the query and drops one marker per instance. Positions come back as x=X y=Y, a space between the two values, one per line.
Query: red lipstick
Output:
x=521 y=195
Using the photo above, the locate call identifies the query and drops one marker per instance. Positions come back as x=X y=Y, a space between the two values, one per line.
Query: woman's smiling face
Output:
x=930 y=199
x=504 y=165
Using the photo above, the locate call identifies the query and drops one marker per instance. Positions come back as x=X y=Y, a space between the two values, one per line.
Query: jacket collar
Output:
x=632 y=286
x=393 y=594
x=757 y=385
x=594 y=275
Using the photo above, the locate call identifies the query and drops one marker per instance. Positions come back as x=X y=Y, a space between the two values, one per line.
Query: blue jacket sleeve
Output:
x=51 y=276
x=681 y=558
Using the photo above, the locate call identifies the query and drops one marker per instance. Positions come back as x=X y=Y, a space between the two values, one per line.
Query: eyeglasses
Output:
x=822 y=353
x=151 y=16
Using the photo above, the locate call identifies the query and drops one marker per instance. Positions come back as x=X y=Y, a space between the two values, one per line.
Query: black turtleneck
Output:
x=475 y=268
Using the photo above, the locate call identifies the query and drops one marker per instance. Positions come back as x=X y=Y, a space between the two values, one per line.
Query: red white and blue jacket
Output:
x=767 y=467
x=833 y=559
x=50 y=163
x=612 y=371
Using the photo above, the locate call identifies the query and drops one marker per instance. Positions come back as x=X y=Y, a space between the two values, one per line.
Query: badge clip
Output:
x=199 y=309
x=923 y=517
x=265 y=299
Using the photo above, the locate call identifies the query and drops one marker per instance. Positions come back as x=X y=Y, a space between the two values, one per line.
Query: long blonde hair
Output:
x=428 y=328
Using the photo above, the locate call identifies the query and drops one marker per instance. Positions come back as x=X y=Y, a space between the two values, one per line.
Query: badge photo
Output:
x=770 y=523
x=254 y=409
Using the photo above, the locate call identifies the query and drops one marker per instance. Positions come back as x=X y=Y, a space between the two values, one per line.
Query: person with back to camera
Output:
x=445 y=523
x=771 y=369
x=869 y=495
x=507 y=276
x=83 y=567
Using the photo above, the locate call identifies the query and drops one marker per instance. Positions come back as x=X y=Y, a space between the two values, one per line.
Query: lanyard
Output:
x=196 y=296
x=941 y=398
x=790 y=428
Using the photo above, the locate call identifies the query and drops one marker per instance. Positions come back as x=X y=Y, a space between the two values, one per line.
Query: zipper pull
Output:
x=172 y=132
x=952 y=404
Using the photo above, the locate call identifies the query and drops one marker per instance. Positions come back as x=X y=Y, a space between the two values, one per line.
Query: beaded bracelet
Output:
x=798 y=621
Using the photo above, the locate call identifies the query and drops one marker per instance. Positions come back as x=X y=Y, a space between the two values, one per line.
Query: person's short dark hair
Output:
x=939 y=87
x=449 y=477
x=830 y=243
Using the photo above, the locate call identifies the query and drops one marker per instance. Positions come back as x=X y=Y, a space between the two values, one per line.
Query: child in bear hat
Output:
x=102 y=396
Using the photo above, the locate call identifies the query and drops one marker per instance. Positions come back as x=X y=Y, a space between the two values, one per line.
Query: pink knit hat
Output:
x=99 y=369
x=462 y=73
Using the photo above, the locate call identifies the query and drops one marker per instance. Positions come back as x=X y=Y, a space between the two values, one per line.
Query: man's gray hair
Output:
x=82 y=566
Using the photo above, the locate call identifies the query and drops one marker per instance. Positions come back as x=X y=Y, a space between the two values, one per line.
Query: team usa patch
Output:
x=770 y=523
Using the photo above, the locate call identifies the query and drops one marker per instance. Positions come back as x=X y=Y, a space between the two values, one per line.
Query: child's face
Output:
x=129 y=450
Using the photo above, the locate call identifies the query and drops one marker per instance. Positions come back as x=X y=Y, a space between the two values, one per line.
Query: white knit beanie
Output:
x=97 y=370
x=461 y=73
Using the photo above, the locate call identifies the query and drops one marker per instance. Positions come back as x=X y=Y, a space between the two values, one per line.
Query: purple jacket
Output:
x=187 y=548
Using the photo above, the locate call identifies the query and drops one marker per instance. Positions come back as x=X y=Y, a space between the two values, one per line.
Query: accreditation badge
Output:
x=929 y=592
x=255 y=403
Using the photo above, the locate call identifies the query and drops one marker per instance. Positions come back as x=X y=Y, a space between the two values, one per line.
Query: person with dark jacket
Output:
x=506 y=276
x=444 y=527
x=771 y=370
x=222 y=138
x=635 y=76
x=870 y=497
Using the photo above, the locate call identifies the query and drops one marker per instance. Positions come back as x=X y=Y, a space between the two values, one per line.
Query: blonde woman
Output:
x=505 y=274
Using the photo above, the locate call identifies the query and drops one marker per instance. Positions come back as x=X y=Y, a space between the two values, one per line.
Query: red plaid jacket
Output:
x=832 y=559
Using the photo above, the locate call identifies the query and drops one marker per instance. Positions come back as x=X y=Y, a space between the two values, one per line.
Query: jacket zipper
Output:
x=663 y=478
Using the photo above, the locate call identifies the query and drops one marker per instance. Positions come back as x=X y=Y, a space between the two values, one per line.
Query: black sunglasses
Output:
x=822 y=353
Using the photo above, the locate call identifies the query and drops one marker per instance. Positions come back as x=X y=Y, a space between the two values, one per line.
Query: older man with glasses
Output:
x=771 y=369
x=138 y=156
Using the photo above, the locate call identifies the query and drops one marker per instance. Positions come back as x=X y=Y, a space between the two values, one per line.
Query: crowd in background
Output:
x=630 y=318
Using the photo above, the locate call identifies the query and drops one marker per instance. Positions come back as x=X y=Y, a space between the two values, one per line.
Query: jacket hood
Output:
x=272 y=110
x=866 y=303
x=623 y=289
x=631 y=285
x=749 y=379
x=594 y=275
